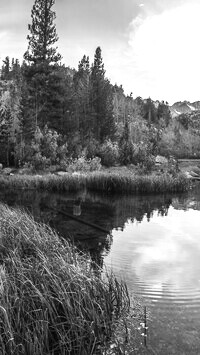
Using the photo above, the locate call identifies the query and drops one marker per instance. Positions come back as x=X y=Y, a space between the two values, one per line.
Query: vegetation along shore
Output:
x=52 y=301
x=107 y=182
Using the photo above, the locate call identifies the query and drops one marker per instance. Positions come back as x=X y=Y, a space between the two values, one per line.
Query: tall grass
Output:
x=136 y=184
x=51 y=300
x=100 y=181
x=49 y=182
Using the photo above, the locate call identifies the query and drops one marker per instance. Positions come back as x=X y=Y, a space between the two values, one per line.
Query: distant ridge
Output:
x=184 y=107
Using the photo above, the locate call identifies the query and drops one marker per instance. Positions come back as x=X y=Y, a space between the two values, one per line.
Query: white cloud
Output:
x=164 y=54
x=162 y=252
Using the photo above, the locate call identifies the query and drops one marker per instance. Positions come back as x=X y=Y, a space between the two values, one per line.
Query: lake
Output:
x=154 y=245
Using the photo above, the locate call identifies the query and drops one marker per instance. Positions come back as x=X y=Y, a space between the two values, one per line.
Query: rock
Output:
x=161 y=160
x=1 y=166
x=62 y=173
x=7 y=171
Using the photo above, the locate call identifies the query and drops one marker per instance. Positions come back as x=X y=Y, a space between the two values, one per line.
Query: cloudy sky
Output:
x=151 y=47
x=157 y=254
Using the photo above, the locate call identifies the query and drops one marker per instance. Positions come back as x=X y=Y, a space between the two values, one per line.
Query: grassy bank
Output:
x=123 y=182
x=143 y=184
x=51 y=300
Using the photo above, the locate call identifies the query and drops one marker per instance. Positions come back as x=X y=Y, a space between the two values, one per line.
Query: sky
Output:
x=151 y=47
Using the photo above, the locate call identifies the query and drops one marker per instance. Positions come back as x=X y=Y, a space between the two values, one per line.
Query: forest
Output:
x=53 y=116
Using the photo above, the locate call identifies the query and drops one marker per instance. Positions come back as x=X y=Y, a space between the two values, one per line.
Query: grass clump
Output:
x=51 y=300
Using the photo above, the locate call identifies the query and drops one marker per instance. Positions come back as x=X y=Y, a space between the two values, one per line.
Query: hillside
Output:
x=184 y=107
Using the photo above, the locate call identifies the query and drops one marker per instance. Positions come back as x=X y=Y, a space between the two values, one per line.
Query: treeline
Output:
x=50 y=113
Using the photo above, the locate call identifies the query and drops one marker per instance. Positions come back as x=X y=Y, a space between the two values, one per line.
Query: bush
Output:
x=173 y=168
x=46 y=149
x=84 y=165
x=40 y=162
x=92 y=148
x=126 y=153
x=109 y=153
x=143 y=157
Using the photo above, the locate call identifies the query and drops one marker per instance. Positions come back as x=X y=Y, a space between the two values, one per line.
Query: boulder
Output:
x=161 y=160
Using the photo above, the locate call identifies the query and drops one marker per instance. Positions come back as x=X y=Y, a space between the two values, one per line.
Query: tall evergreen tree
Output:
x=43 y=34
x=43 y=80
x=102 y=100
x=82 y=99
x=5 y=70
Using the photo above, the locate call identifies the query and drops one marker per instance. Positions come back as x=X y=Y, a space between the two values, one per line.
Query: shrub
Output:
x=173 y=168
x=109 y=153
x=84 y=165
x=46 y=150
x=126 y=153
x=92 y=148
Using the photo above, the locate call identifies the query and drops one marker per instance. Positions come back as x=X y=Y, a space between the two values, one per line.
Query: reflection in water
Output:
x=77 y=207
x=155 y=246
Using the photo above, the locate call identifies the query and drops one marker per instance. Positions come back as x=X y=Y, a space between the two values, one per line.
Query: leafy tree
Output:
x=163 y=114
x=109 y=153
x=11 y=123
x=150 y=112
x=46 y=149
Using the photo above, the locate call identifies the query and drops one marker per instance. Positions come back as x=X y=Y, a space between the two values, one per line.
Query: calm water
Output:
x=154 y=245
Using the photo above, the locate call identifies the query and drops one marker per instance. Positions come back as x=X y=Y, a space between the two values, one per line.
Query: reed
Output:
x=136 y=184
x=48 y=182
x=100 y=181
x=51 y=300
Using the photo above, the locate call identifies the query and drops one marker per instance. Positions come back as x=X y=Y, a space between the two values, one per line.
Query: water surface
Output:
x=154 y=244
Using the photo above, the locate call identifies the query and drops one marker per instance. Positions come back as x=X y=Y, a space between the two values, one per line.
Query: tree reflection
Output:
x=106 y=211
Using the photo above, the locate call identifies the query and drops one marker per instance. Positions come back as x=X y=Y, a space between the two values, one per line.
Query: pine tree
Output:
x=43 y=101
x=102 y=100
x=5 y=70
x=82 y=105
x=43 y=34
x=98 y=71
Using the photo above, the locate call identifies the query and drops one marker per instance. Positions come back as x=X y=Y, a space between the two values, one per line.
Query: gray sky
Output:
x=151 y=47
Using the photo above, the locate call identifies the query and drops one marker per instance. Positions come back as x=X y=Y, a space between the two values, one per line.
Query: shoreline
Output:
x=102 y=181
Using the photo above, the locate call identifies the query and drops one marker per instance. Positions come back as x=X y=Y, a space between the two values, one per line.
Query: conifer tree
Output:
x=5 y=70
x=43 y=34
x=102 y=100
x=82 y=99
x=41 y=70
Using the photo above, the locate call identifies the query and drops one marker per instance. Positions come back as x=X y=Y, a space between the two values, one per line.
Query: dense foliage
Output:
x=51 y=114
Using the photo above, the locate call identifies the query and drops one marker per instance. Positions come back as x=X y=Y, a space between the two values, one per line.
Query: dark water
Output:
x=154 y=245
